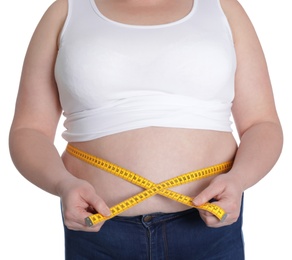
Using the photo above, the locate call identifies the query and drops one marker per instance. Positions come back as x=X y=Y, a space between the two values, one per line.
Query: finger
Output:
x=208 y=218
x=75 y=220
x=82 y=227
x=96 y=204
x=212 y=191
x=74 y=217
x=100 y=206
x=212 y=221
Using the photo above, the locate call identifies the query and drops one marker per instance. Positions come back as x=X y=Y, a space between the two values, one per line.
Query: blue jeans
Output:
x=158 y=236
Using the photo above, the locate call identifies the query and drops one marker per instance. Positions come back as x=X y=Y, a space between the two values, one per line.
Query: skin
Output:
x=156 y=153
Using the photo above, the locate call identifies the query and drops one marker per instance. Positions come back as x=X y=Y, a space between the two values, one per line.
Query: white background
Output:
x=30 y=220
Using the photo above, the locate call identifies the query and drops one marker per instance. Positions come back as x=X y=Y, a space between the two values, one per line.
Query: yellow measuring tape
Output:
x=151 y=188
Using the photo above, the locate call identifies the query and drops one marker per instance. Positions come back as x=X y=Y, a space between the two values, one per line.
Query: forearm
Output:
x=37 y=159
x=259 y=149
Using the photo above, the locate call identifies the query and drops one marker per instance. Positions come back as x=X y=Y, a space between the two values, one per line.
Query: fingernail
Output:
x=107 y=212
x=196 y=201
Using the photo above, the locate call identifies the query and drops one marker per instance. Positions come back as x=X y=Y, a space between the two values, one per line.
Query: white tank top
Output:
x=115 y=77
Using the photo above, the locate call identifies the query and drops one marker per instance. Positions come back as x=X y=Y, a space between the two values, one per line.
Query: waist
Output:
x=157 y=154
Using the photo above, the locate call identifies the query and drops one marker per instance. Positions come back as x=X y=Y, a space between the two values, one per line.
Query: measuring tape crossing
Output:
x=151 y=188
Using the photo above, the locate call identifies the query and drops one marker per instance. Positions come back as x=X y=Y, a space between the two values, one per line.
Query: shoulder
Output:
x=52 y=21
x=55 y=14
x=233 y=8
x=57 y=9
x=59 y=6
x=238 y=19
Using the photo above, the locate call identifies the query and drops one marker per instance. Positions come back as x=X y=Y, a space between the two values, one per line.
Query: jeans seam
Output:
x=164 y=237
x=149 y=243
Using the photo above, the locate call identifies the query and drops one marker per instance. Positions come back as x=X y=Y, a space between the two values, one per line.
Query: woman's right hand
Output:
x=79 y=200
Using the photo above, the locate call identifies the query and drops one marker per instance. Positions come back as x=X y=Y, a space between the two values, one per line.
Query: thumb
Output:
x=98 y=204
x=207 y=194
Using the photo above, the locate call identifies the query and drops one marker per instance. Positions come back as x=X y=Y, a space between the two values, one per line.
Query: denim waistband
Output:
x=155 y=217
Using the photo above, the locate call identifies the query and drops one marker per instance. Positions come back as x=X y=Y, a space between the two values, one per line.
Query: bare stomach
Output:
x=157 y=154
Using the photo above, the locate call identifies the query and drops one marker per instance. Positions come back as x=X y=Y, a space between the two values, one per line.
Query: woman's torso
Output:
x=156 y=153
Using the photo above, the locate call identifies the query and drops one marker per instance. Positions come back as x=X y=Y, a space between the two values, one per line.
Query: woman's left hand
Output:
x=226 y=190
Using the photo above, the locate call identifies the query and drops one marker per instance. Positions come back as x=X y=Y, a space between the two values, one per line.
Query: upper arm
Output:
x=37 y=105
x=254 y=101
